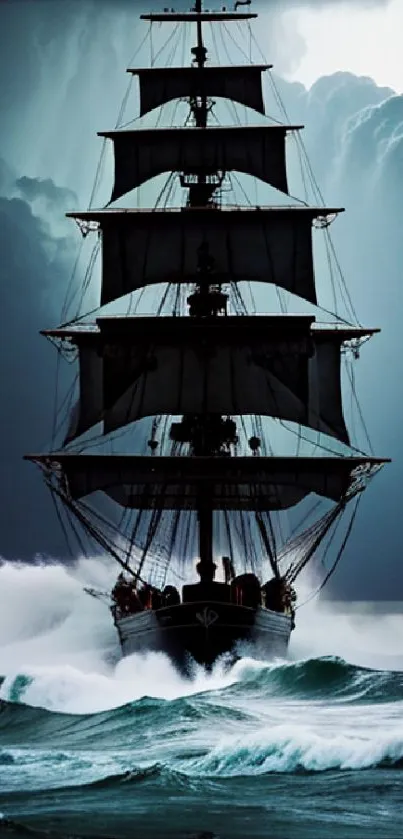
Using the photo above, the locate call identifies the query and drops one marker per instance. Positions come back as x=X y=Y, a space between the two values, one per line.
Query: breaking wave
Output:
x=66 y=695
x=103 y=741
x=288 y=747
x=278 y=709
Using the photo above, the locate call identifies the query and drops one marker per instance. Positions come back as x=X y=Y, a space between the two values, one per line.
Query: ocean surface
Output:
x=94 y=746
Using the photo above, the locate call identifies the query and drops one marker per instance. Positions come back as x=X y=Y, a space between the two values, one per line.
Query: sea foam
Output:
x=290 y=748
x=59 y=649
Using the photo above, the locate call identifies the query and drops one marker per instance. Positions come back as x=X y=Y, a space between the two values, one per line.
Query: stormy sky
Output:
x=62 y=78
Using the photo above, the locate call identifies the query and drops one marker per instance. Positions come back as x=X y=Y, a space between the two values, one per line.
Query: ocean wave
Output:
x=284 y=752
x=46 y=695
x=309 y=716
x=156 y=773
x=291 y=749
x=294 y=746
x=120 y=728
x=326 y=677
x=67 y=689
x=56 y=648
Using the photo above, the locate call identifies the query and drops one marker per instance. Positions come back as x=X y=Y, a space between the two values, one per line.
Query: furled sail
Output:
x=240 y=84
x=137 y=367
x=269 y=245
x=145 y=153
x=233 y=483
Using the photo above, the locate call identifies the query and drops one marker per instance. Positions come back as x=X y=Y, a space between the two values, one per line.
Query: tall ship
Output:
x=170 y=462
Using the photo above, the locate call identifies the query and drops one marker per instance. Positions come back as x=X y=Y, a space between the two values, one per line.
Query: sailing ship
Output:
x=204 y=375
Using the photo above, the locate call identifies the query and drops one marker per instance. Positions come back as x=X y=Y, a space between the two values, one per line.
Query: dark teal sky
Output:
x=61 y=79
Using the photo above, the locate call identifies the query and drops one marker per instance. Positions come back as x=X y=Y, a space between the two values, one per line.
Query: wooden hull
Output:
x=204 y=631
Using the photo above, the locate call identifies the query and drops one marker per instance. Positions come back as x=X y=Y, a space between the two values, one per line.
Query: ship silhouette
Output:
x=205 y=373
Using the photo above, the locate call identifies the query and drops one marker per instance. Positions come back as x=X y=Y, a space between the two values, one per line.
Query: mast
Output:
x=202 y=302
x=205 y=511
x=200 y=51
x=199 y=193
x=205 y=567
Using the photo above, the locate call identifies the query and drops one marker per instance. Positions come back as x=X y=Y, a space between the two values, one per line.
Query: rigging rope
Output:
x=62 y=525
x=266 y=542
x=175 y=31
x=338 y=557
x=351 y=377
x=234 y=41
x=92 y=530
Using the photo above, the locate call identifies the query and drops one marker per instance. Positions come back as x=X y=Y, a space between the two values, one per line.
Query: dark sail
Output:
x=234 y=483
x=161 y=85
x=137 y=367
x=255 y=150
x=269 y=245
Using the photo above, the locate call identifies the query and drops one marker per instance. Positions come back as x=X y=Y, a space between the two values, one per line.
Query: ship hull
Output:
x=204 y=631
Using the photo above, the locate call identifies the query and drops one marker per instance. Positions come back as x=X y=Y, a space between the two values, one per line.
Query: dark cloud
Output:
x=361 y=162
x=34 y=273
x=328 y=110
x=44 y=189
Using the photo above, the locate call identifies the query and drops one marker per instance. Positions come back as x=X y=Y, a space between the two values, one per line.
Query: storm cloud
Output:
x=34 y=272
x=364 y=172
x=55 y=56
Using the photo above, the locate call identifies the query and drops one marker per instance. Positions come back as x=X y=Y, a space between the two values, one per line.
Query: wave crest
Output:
x=289 y=749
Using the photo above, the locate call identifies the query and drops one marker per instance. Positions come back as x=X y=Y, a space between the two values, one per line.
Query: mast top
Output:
x=196 y=17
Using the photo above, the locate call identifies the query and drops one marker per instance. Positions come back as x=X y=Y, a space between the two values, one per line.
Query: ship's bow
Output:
x=204 y=631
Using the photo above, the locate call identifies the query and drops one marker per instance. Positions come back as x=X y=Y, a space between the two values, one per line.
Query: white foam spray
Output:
x=365 y=634
x=65 y=642
x=54 y=632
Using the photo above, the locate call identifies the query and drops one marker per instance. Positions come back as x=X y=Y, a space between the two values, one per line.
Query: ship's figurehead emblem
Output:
x=207 y=617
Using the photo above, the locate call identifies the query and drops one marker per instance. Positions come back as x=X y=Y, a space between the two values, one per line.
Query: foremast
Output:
x=293 y=370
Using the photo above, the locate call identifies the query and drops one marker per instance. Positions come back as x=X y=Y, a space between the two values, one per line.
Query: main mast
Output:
x=200 y=303
x=200 y=53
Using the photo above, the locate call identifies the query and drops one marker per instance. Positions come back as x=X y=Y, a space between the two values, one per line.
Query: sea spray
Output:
x=65 y=646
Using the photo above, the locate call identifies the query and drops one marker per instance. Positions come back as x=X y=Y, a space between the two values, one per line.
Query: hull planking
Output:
x=204 y=631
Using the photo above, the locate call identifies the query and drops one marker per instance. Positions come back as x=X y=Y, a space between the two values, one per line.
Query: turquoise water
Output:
x=93 y=746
